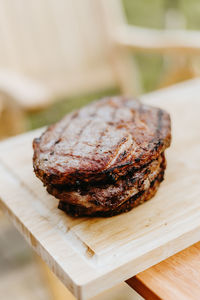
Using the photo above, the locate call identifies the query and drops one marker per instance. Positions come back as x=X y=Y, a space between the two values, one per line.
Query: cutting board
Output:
x=91 y=255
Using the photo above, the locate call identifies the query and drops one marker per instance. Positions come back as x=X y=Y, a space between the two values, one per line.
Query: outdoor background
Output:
x=152 y=67
x=19 y=276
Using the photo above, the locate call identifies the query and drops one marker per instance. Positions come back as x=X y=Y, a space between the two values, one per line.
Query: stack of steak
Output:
x=104 y=159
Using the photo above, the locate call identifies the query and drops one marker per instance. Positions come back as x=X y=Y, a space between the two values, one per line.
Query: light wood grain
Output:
x=178 y=277
x=91 y=255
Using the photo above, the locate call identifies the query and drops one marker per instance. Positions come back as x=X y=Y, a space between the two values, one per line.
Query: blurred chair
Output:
x=61 y=45
x=50 y=49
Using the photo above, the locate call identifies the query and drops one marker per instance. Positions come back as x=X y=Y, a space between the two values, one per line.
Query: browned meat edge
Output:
x=161 y=137
x=139 y=198
x=110 y=195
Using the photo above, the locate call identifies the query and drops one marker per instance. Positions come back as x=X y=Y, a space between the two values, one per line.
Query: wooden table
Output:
x=92 y=255
x=177 y=277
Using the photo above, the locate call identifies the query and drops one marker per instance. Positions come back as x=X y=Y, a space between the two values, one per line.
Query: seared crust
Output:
x=104 y=140
x=104 y=159
x=139 y=198
x=100 y=197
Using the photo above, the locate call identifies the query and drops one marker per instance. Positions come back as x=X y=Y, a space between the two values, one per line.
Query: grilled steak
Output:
x=104 y=139
x=101 y=196
x=139 y=198
x=104 y=156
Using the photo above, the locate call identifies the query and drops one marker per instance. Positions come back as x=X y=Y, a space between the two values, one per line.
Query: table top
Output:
x=91 y=255
x=177 y=277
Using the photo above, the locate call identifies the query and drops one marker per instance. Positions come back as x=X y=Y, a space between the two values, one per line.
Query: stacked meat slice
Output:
x=105 y=158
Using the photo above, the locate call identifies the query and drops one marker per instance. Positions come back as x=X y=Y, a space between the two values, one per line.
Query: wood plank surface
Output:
x=177 y=277
x=91 y=255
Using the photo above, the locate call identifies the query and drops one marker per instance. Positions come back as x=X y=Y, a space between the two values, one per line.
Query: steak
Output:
x=105 y=158
x=139 y=198
x=100 y=196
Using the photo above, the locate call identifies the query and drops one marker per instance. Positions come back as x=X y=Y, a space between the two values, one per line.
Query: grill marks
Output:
x=89 y=144
x=60 y=132
x=99 y=156
x=102 y=134
x=81 y=131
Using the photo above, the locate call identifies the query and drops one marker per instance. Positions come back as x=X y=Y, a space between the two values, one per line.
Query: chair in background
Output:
x=52 y=49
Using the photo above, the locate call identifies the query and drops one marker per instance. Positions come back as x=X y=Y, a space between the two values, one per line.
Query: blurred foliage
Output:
x=150 y=13
x=191 y=10
x=147 y=13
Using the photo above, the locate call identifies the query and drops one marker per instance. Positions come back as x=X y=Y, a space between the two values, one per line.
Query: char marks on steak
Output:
x=100 y=157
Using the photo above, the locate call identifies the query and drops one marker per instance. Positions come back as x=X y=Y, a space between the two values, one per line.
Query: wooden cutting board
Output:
x=91 y=255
